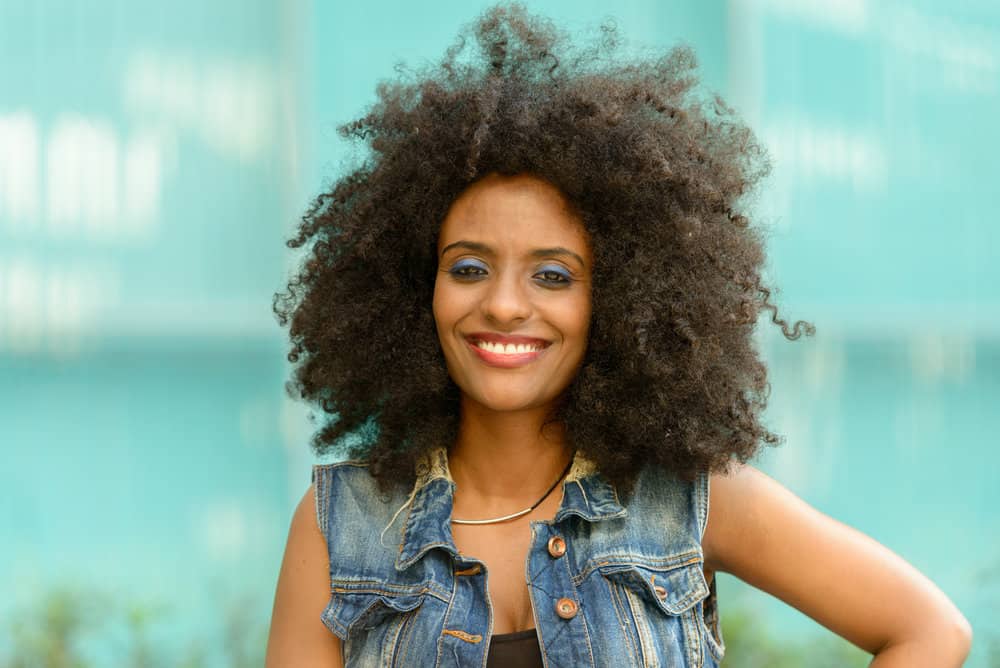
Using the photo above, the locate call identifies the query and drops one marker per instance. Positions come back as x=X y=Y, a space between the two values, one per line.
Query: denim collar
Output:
x=428 y=524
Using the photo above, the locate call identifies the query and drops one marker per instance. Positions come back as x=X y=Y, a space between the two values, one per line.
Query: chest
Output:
x=625 y=590
x=503 y=550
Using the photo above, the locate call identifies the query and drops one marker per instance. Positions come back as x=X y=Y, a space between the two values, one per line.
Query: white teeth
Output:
x=508 y=349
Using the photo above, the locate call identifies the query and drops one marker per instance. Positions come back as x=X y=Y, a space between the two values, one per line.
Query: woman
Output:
x=529 y=315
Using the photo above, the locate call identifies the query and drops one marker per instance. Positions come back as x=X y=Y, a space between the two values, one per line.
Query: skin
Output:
x=514 y=292
x=504 y=459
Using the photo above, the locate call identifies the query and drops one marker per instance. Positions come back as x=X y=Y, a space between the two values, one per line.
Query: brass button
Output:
x=557 y=546
x=660 y=591
x=566 y=608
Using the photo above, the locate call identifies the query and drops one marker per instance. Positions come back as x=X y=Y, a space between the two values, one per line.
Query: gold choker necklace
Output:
x=521 y=512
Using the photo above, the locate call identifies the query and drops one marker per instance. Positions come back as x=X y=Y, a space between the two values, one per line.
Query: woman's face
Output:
x=512 y=293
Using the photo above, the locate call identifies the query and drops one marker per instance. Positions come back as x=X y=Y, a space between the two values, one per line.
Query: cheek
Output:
x=577 y=319
x=437 y=308
x=445 y=307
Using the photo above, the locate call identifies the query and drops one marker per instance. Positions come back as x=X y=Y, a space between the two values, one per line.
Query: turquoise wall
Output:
x=153 y=158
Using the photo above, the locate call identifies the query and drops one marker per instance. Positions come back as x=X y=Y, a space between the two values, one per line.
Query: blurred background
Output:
x=153 y=158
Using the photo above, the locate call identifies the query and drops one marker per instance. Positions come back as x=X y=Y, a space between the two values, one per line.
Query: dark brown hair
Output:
x=657 y=171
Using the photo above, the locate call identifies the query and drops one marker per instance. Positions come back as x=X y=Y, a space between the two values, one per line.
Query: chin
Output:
x=505 y=401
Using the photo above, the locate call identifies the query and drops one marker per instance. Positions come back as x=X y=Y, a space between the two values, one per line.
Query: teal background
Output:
x=154 y=157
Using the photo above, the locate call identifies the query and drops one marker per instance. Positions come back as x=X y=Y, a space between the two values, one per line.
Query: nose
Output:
x=506 y=300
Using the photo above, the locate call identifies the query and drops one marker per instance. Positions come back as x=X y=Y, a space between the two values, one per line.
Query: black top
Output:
x=515 y=650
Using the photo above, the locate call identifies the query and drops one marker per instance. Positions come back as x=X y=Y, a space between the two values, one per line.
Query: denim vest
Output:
x=624 y=587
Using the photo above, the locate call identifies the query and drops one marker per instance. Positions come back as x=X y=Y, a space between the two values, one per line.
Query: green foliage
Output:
x=50 y=637
x=54 y=631
x=749 y=645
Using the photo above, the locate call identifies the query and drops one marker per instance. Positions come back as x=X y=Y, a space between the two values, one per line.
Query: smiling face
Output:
x=512 y=293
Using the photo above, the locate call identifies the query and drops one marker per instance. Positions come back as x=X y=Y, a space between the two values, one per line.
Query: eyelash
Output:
x=460 y=273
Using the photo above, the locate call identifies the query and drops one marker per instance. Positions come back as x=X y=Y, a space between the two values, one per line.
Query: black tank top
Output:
x=515 y=650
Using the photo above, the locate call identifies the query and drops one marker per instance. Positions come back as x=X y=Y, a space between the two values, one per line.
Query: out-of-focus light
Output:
x=18 y=169
x=223 y=530
x=94 y=185
x=228 y=104
x=51 y=308
x=849 y=16
x=937 y=357
x=82 y=176
x=815 y=152
x=962 y=57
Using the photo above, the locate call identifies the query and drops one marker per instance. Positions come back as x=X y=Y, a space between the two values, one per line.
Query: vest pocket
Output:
x=662 y=606
x=373 y=625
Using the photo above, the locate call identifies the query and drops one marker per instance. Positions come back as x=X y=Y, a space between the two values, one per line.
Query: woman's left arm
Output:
x=768 y=537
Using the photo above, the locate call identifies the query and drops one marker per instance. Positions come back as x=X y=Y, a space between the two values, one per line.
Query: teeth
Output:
x=507 y=349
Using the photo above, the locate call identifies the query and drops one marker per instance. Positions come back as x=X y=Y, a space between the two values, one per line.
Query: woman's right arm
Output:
x=298 y=638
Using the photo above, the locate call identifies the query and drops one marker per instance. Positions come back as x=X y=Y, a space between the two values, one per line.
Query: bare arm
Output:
x=765 y=535
x=298 y=638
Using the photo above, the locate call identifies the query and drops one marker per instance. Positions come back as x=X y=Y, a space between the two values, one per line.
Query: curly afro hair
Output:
x=657 y=173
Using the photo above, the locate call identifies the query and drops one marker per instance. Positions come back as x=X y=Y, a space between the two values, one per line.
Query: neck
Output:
x=502 y=460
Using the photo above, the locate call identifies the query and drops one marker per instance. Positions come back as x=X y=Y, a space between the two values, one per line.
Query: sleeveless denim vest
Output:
x=626 y=590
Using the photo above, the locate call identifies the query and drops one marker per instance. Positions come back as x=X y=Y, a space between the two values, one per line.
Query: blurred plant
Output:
x=244 y=633
x=54 y=631
x=749 y=645
x=50 y=636
x=139 y=617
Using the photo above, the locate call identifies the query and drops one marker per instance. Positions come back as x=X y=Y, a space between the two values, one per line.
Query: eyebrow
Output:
x=538 y=252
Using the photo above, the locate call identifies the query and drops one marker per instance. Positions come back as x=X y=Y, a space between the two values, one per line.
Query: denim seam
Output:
x=628 y=628
x=693 y=641
x=444 y=620
x=330 y=618
x=321 y=491
x=348 y=591
x=692 y=596
x=684 y=560
x=642 y=630
x=403 y=637
x=702 y=491
x=420 y=555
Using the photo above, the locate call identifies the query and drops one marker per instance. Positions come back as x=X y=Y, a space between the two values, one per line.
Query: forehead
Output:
x=518 y=208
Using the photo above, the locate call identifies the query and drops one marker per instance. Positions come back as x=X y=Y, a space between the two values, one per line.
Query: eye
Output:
x=554 y=276
x=467 y=270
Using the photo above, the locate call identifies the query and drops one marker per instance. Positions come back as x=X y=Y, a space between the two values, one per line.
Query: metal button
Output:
x=557 y=546
x=566 y=608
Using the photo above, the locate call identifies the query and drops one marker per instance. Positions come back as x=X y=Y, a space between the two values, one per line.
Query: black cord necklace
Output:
x=520 y=512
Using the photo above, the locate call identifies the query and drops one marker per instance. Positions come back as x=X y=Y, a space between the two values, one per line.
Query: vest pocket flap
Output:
x=351 y=609
x=674 y=590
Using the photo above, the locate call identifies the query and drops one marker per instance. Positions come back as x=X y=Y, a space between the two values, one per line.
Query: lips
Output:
x=506 y=338
x=490 y=348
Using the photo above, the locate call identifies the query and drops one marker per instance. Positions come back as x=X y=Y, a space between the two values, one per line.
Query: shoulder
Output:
x=331 y=483
x=363 y=524
x=744 y=503
x=347 y=491
x=667 y=510
x=297 y=635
